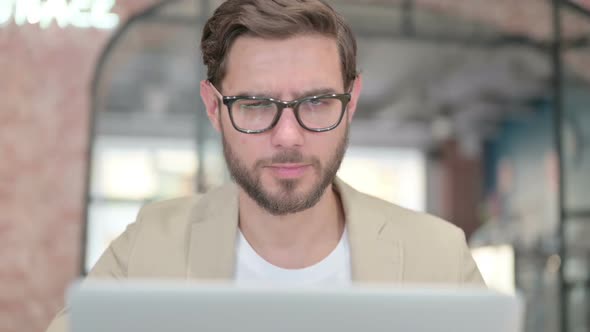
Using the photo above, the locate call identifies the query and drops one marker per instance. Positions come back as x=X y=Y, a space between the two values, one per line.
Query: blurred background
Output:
x=476 y=111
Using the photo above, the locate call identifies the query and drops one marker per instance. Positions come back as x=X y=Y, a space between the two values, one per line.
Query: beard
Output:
x=287 y=200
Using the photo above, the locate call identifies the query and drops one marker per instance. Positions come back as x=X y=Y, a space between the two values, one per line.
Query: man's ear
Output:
x=212 y=103
x=357 y=86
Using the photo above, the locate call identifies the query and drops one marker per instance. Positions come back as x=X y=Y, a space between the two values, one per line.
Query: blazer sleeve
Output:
x=111 y=265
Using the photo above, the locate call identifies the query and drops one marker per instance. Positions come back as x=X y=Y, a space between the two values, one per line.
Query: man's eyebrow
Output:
x=269 y=94
x=261 y=94
x=315 y=92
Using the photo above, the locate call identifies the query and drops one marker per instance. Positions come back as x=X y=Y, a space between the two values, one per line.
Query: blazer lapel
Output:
x=213 y=231
x=376 y=251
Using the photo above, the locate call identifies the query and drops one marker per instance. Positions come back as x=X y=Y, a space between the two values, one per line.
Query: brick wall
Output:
x=461 y=187
x=44 y=112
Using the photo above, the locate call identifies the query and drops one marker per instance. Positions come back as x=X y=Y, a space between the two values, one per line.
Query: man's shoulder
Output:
x=174 y=207
x=182 y=209
x=434 y=250
x=408 y=223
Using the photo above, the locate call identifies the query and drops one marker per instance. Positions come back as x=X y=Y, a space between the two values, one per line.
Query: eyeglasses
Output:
x=253 y=115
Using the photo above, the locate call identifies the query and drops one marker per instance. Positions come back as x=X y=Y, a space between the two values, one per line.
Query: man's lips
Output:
x=288 y=170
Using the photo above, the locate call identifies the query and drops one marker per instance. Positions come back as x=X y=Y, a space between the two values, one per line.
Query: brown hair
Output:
x=274 y=19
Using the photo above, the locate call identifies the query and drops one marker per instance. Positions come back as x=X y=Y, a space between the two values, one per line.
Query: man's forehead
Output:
x=293 y=65
x=297 y=52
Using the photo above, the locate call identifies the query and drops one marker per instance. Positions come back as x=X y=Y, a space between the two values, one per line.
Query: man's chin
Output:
x=285 y=204
x=289 y=187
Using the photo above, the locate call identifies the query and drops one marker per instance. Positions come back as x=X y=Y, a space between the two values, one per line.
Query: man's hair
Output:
x=274 y=19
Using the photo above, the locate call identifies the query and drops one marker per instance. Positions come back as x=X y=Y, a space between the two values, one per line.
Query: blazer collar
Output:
x=376 y=250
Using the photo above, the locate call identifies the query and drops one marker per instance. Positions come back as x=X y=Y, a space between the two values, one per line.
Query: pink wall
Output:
x=44 y=113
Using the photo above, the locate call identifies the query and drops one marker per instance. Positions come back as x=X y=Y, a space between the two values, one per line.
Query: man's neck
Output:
x=296 y=240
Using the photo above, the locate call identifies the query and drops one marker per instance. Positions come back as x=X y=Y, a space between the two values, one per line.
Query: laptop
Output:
x=159 y=306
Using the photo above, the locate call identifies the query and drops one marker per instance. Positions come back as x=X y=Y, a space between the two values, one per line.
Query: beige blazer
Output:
x=194 y=238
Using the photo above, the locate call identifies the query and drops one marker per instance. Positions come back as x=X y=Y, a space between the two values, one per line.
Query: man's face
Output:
x=286 y=169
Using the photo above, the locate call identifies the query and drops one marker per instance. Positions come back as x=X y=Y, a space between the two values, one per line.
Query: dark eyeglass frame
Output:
x=281 y=105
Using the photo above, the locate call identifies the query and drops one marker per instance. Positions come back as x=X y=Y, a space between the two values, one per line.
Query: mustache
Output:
x=287 y=157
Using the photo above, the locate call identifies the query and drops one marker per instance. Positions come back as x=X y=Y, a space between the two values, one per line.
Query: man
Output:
x=282 y=90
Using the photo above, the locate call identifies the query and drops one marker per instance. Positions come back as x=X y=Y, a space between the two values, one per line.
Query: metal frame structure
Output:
x=408 y=30
x=558 y=141
x=558 y=121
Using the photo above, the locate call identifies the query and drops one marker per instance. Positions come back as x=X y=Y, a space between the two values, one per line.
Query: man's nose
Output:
x=287 y=133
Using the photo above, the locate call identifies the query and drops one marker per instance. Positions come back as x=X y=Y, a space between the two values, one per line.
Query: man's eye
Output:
x=257 y=105
x=319 y=103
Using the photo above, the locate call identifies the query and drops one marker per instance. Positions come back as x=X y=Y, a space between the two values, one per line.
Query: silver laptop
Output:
x=140 y=306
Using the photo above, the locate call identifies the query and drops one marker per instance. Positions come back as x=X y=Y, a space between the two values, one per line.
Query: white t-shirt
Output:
x=334 y=270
